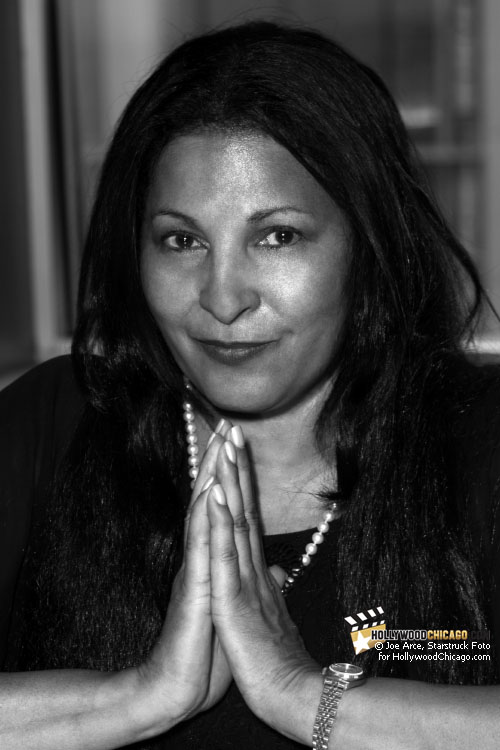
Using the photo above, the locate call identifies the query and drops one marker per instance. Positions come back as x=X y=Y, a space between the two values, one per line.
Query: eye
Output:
x=181 y=242
x=281 y=237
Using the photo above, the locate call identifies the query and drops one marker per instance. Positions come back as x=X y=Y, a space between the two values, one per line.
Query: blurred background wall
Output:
x=70 y=66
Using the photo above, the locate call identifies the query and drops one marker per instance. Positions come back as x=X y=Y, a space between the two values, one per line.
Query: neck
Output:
x=285 y=440
x=289 y=470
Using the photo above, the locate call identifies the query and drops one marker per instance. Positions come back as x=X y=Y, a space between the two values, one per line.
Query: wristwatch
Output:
x=338 y=678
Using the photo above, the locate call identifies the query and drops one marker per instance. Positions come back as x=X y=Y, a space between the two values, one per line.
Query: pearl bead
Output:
x=305 y=560
x=328 y=516
x=323 y=527
x=192 y=438
x=311 y=549
x=193 y=461
x=189 y=416
x=193 y=451
x=193 y=472
x=190 y=428
x=317 y=538
x=290 y=579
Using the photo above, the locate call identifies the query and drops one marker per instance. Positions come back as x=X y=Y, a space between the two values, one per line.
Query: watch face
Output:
x=346 y=671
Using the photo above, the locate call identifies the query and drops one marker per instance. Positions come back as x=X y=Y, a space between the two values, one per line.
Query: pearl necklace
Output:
x=191 y=438
x=317 y=538
x=194 y=465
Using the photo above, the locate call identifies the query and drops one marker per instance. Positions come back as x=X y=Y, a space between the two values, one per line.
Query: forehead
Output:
x=211 y=167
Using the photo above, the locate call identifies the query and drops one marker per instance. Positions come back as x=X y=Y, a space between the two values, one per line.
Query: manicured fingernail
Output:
x=218 y=494
x=230 y=451
x=210 y=438
x=236 y=435
x=220 y=425
x=207 y=484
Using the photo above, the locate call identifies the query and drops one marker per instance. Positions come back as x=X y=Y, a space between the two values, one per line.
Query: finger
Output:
x=196 y=560
x=206 y=477
x=207 y=464
x=273 y=591
x=206 y=472
x=223 y=427
x=228 y=476
x=225 y=576
x=250 y=506
x=192 y=503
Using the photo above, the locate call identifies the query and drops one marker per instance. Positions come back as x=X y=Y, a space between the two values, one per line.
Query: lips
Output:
x=233 y=352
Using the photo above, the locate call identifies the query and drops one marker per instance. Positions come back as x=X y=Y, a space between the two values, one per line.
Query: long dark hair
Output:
x=412 y=297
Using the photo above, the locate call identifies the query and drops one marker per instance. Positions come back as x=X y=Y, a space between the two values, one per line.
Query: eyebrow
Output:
x=261 y=215
x=253 y=219
x=175 y=215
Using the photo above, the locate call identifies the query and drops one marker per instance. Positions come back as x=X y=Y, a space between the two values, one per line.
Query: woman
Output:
x=265 y=272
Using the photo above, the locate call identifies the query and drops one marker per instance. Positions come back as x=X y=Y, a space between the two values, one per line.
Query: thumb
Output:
x=278 y=574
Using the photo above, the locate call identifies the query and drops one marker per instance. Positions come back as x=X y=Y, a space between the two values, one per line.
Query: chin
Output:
x=244 y=399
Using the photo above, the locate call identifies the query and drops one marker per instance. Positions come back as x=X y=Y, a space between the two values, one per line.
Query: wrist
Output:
x=338 y=679
x=291 y=708
x=149 y=714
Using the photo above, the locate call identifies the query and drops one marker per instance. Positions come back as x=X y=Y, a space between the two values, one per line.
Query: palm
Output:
x=220 y=676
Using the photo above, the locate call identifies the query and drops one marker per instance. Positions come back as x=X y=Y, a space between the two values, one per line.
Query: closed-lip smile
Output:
x=232 y=344
x=233 y=352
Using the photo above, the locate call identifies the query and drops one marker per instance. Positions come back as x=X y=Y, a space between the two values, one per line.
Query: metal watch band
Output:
x=333 y=690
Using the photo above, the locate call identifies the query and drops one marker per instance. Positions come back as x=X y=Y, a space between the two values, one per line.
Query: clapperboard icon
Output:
x=362 y=624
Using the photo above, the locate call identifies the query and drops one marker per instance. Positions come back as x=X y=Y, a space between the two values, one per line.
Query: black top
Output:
x=38 y=415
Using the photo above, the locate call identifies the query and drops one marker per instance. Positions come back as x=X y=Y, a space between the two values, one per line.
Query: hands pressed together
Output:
x=227 y=618
x=227 y=621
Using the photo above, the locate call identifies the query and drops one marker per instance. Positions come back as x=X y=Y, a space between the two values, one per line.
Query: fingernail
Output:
x=220 y=425
x=236 y=435
x=218 y=494
x=210 y=438
x=207 y=484
x=230 y=451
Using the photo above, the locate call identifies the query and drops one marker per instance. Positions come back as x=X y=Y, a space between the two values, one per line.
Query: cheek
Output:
x=316 y=299
x=166 y=299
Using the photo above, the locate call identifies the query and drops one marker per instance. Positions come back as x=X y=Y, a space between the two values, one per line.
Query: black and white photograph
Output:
x=250 y=375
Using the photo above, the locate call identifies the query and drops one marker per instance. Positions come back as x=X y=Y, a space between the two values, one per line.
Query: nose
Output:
x=228 y=288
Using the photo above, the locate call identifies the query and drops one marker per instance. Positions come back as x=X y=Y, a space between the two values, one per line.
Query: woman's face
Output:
x=244 y=257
